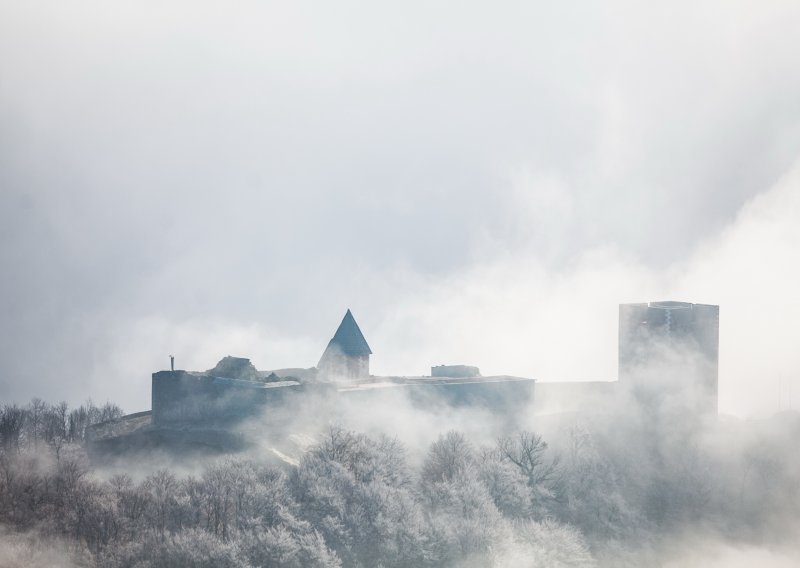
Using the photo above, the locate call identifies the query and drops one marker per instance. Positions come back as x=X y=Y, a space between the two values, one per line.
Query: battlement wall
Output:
x=181 y=396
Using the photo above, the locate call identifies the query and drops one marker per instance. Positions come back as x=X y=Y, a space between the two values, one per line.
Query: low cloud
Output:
x=480 y=184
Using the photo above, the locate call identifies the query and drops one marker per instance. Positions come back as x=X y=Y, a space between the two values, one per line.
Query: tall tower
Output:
x=669 y=354
x=347 y=354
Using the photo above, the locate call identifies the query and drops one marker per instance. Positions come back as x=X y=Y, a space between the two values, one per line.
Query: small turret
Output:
x=347 y=354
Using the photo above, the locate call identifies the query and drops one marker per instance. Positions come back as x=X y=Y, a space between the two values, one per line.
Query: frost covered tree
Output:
x=356 y=492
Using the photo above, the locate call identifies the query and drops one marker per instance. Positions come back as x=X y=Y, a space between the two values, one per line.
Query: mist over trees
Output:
x=595 y=494
x=40 y=424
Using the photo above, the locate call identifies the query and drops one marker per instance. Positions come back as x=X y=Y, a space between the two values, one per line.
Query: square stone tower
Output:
x=669 y=354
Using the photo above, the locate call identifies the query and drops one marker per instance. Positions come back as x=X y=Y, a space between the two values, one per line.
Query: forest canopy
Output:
x=592 y=496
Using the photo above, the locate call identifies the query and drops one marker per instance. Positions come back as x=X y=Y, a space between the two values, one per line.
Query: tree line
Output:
x=355 y=500
x=53 y=425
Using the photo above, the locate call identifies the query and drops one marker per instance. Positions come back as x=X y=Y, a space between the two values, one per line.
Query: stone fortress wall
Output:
x=185 y=402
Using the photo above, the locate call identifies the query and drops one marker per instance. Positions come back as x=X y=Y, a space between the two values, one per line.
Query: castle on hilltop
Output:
x=668 y=351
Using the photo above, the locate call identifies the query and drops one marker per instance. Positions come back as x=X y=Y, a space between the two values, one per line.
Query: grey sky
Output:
x=210 y=178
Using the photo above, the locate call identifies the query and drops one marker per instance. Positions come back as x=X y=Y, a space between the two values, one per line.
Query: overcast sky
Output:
x=480 y=183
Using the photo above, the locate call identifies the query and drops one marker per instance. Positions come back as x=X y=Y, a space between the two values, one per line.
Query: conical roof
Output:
x=349 y=339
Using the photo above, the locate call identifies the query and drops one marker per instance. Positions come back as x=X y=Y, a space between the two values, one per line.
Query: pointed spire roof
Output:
x=349 y=339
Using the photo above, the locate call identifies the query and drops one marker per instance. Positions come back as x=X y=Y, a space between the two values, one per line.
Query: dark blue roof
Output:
x=349 y=339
